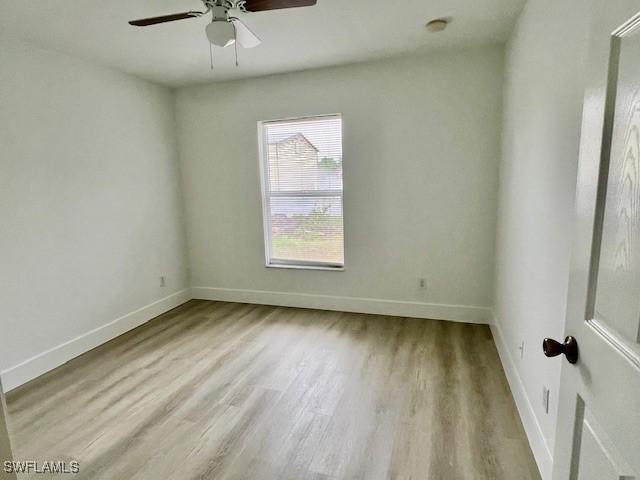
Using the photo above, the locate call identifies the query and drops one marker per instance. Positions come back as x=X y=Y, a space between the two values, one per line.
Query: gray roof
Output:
x=279 y=138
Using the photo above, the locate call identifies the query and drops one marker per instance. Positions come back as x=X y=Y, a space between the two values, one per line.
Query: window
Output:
x=301 y=162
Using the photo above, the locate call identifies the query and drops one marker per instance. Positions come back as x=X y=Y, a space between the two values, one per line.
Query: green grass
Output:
x=308 y=247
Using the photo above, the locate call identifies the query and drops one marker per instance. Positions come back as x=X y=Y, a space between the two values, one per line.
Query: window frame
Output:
x=266 y=196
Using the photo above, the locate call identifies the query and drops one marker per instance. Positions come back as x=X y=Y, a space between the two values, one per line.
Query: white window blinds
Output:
x=302 y=191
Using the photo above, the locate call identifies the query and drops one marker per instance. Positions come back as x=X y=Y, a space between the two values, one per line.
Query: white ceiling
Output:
x=331 y=33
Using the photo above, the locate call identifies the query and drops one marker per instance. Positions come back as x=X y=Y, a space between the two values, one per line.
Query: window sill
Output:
x=305 y=267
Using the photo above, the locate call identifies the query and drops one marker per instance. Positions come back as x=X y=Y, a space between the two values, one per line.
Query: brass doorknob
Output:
x=569 y=348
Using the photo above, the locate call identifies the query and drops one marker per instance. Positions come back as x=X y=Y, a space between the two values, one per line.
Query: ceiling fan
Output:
x=225 y=28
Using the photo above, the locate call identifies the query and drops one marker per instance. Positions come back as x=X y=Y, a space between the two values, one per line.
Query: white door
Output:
x=598 y=435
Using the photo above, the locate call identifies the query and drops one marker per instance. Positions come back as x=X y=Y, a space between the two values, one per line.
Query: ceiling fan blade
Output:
x=262 y=5
x=245 y=37
x=145 y=22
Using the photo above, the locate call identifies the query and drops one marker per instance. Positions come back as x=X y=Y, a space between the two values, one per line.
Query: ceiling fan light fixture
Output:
x=221 y=33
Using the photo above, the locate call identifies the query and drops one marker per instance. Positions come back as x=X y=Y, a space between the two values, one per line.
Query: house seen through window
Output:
x=302 y=191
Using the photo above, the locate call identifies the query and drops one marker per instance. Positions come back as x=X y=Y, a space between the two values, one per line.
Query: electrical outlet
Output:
x=545 y=399
x=422 y=282
x=521 y=348
x=163 y=282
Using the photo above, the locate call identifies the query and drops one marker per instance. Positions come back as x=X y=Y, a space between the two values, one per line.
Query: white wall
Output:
x=542 y=114
x=90 y=206
x=421 y=150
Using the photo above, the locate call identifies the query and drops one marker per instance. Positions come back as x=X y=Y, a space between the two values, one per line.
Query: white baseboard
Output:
x=537 y=442
x=456 y=313
x=35 y=366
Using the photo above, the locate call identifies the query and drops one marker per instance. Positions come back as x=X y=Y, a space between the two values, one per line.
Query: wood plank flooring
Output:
x=230 y=391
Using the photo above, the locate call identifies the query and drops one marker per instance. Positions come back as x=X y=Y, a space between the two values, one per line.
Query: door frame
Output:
x=5 y=441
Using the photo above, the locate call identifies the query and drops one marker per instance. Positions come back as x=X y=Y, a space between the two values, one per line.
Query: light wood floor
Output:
x=231 y=391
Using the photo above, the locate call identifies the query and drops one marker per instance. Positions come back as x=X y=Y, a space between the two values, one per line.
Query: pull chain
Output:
x=235 y=43
x=211 y=54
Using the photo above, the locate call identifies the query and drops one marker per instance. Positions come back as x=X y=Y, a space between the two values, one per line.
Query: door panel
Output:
x=598 y=431
x=598 y=456
x=617 y=300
